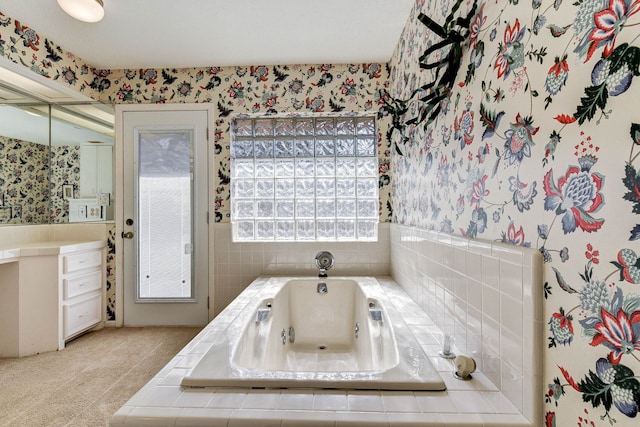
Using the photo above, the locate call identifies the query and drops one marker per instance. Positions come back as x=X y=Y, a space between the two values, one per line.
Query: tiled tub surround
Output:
x=163 y=402
x=238 y=264
x=488 y=296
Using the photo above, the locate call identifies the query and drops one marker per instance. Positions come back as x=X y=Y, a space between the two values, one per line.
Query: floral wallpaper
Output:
x=308 y=89
x=24 y=175
x=111 y=274
x=258 y=89
x=65 y=170
x=537 y=143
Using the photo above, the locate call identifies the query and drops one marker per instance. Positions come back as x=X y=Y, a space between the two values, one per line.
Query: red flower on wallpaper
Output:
x=515 y=237
x=478 y=191
x=609 y=22
x=557 y=75
x=149 y=75
x=619 y=333
x=476 y=24
x=550 y=419
x=260 y=73
x=374 y=71
x=511 y=52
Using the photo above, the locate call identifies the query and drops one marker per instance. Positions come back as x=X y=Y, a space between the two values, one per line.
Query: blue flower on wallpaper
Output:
x=477 y=225
x=523 y=193
x=561 y=327
x=463 y=127
x=519 y=139
x=576 y=196
x=616 y=82
x=30 y=38
x=69 y=76
x=296 y=86
x=629 y=265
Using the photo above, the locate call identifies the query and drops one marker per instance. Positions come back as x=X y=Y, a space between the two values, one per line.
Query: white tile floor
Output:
x=162 y=402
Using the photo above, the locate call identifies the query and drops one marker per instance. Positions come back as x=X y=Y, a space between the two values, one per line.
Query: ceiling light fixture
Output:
x=83 y=10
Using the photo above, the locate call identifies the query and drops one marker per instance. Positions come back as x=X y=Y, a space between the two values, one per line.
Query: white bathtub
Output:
x=293 y=336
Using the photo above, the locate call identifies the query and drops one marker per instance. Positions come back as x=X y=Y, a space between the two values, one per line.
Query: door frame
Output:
x=120 y=110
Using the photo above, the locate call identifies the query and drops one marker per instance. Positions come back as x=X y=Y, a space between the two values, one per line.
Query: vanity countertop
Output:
x=12 y=252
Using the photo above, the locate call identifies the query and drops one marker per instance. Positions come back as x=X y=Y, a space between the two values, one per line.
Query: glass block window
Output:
x=304 y=179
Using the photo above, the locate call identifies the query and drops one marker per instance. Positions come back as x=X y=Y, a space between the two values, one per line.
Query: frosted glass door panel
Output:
x=164 y=154
x=164 y=215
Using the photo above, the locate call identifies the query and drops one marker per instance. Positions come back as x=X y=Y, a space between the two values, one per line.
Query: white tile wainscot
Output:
x=488 y=296
x=163 y=402
x=236 y=265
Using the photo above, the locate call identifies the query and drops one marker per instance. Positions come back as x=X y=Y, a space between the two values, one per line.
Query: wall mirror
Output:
x=56 y=160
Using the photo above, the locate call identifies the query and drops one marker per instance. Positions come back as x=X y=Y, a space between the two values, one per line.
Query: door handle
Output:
x=127 y=235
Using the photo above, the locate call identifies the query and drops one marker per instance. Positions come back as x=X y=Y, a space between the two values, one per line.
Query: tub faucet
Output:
x=324 y=261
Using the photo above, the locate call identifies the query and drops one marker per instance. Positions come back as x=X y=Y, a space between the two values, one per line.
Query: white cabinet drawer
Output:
x=80 y=261
x=81 y=284
x=82 y=314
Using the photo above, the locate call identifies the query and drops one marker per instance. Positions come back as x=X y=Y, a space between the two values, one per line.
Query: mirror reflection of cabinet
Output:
x=96 y=170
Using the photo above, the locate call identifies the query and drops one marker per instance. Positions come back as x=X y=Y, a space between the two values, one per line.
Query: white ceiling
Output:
x=201 y=33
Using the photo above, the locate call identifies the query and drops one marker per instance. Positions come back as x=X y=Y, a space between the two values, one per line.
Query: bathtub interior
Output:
x=332 y=331
x=296 y=337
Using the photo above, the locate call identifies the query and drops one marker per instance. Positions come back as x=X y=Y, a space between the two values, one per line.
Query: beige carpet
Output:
x=84 y=384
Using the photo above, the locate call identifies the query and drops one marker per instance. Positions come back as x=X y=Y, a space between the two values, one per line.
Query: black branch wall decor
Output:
x=454 y=34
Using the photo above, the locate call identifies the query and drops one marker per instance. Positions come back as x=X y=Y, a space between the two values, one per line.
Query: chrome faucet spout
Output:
x=322 y=273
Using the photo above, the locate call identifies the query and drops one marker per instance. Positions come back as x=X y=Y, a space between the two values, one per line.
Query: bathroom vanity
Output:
x=50 y=292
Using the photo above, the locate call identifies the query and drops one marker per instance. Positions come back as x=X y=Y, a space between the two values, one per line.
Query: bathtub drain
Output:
x=322 y=347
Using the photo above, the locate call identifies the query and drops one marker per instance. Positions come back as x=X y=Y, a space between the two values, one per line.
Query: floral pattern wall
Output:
x=537 y=143
x=258 y=89
x=295 y=89
x=24 y=175
x=65 y=170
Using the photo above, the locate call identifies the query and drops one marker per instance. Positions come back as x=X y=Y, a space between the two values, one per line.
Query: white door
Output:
x=164 y=228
